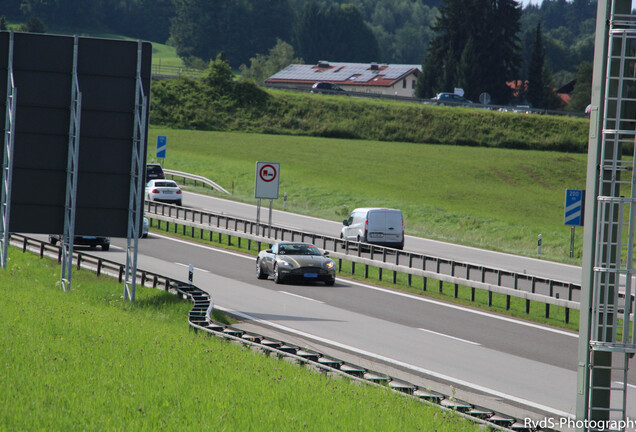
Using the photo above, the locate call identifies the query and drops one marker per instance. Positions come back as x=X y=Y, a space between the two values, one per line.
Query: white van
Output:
x=380 y=226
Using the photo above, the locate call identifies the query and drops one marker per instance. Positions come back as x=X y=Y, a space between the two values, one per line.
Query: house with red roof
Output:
x=382 y=79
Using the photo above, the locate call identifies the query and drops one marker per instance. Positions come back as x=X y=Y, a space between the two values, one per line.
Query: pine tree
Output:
x=536 y=85
x=491 y=27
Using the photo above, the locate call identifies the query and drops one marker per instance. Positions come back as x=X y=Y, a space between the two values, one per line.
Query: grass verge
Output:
x=88 y=360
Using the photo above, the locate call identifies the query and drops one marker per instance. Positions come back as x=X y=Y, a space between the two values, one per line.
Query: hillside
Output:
x=228 y=105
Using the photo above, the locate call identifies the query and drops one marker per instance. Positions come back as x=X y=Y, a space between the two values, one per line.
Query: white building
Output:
x=394 y=80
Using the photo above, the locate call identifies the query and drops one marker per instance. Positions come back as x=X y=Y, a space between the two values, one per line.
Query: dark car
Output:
x=295 y=261
x=92 y=241
x=450 y=99
x=154 y=171
x=325 y=87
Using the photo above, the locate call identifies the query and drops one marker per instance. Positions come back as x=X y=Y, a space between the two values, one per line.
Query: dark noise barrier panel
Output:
x=43 y=76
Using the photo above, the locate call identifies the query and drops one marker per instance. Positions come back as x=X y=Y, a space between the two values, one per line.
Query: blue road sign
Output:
x=574 y=207
x=162 y=146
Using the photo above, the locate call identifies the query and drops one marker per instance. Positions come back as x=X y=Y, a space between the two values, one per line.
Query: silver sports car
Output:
x=299 y=261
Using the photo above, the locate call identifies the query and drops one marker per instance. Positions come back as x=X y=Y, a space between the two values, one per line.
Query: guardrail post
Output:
x=121 y=273
x=366 y=271
x=489 y=298
x=339 y=264
x=42 y=250
x=380 y=273
x=456 y=290
x=353 y=267
x=547 y=305
x=99 y=267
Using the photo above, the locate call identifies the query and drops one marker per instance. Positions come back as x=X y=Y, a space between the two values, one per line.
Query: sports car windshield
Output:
x=293 y=249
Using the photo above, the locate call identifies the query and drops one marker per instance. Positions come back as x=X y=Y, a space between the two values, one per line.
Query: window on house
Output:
x=413 y=84
x=403 y=83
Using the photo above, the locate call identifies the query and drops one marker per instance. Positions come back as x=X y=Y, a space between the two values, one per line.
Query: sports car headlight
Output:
x=285 y=264
x=329 y=265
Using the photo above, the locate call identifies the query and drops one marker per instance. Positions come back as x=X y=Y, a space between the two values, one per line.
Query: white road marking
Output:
x=302 y=297
x=403 y=294
x=450 y=337
x=628 y=385
x=195 y=268
x=402 y=364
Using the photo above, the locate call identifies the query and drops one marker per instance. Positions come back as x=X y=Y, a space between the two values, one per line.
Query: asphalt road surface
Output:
x=514 y=366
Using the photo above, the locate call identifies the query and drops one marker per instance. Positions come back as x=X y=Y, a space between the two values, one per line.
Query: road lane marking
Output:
x=402 y=294
x=450 y=337
x=464 y=309
x=402 y=364
x=628 y=385
x=194 y=268
x=302 y=297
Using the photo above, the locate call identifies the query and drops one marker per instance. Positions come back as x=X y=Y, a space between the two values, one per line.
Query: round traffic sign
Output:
x=267 y=173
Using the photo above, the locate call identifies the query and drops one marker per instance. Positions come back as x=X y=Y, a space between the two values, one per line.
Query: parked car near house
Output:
x=450 y=99
x=325 y=87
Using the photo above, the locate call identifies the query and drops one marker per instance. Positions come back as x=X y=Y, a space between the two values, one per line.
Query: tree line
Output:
x=474 y=44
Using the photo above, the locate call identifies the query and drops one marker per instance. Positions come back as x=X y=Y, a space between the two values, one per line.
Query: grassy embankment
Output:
x=499 y=199
x=88 y=360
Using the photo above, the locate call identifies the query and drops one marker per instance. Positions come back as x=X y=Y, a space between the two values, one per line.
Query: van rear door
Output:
x=384 y=226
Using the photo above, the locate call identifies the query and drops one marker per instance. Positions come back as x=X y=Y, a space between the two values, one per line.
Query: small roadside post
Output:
x=573 y=214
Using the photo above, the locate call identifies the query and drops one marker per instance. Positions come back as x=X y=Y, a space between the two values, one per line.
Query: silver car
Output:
x=164 y=191
x=295 y=261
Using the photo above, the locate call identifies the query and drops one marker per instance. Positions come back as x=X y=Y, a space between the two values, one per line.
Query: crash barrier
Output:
x=369 y=94
x=195 y=179
x=199 y=319
x=476 y=277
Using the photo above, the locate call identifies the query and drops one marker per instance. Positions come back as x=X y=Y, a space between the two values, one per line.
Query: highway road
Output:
x=531 y=266
x=510 y=365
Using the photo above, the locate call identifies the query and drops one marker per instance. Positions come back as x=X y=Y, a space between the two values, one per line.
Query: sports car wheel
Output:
x=260 y=274
x=277 y=277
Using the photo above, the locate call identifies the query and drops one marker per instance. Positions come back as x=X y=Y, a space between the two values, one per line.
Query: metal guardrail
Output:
x=199 y=319
x=195 y=178
x=477 y=277
x=503 y=108
x=165 y=71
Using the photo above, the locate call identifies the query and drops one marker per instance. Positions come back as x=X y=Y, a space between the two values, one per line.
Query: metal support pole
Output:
x=7 y=163
x=72 y=172
x=269 y=224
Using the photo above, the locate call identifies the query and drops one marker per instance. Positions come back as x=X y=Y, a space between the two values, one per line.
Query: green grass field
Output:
x=88 y=360
x=499 y=199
